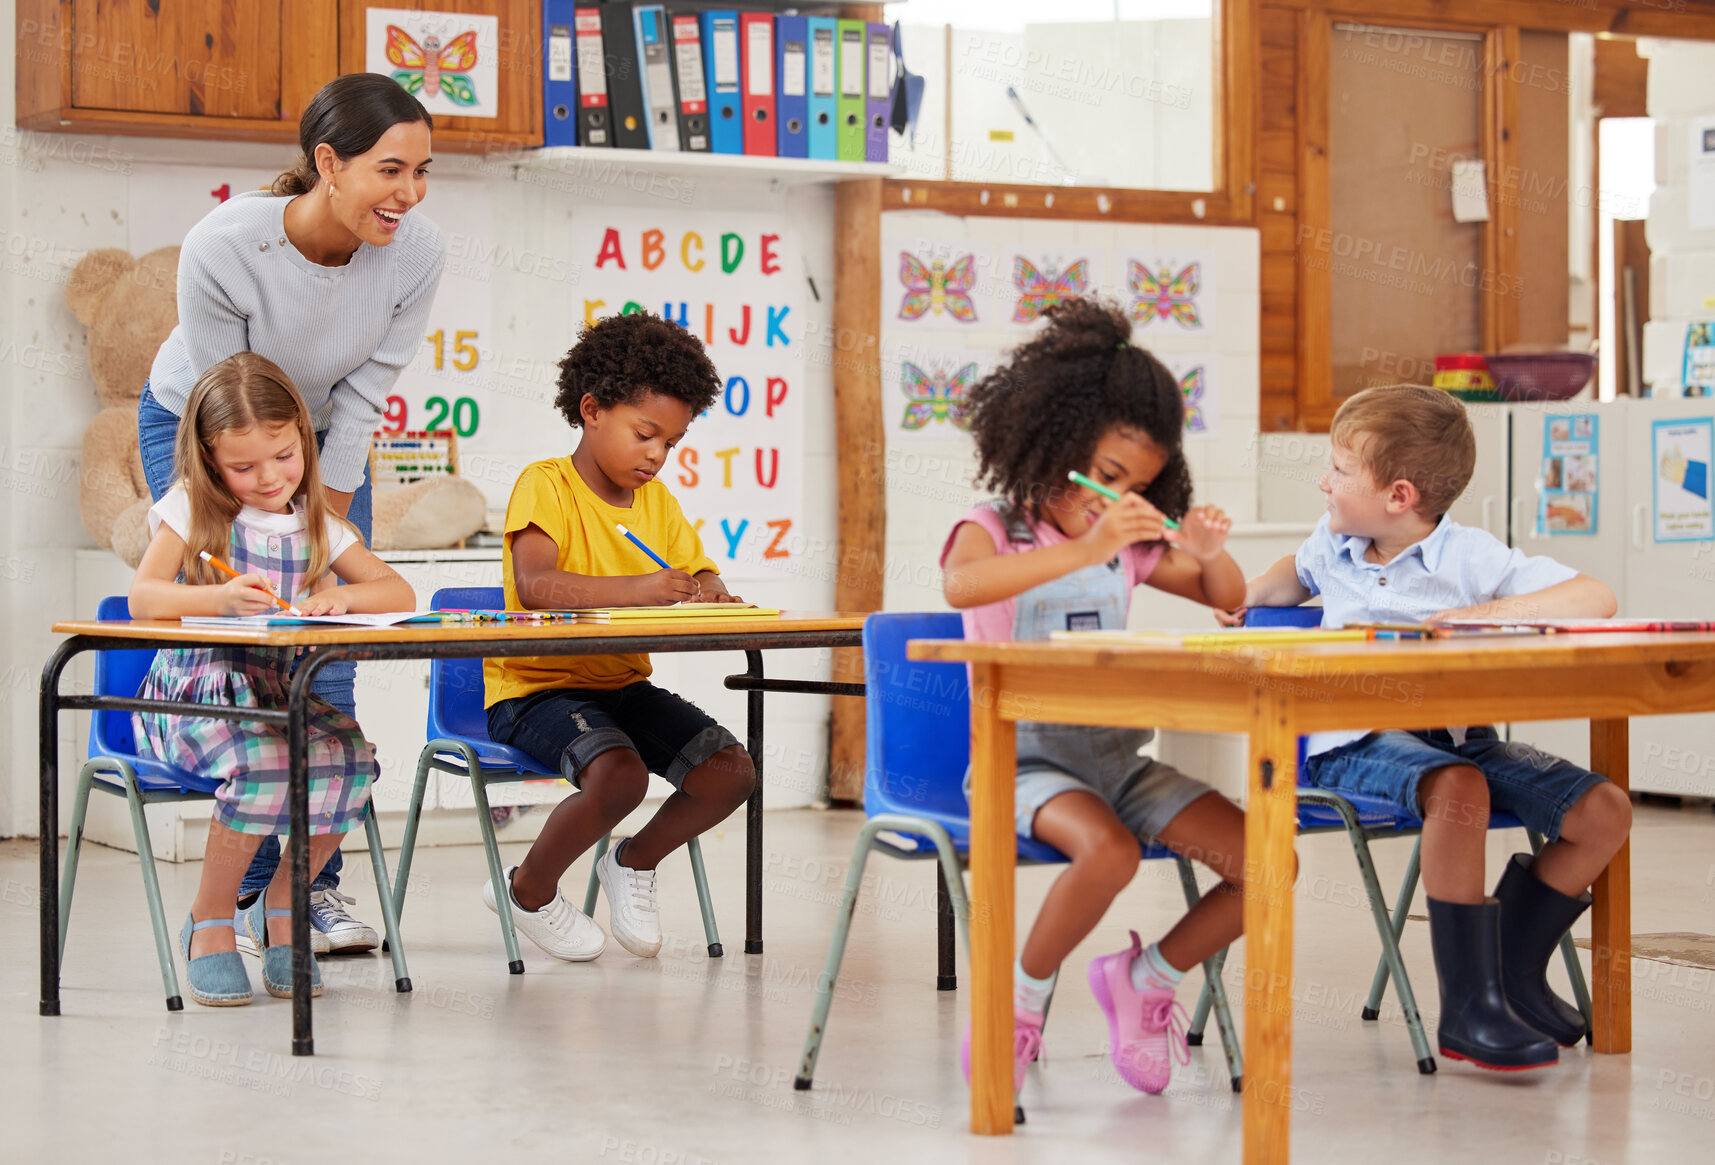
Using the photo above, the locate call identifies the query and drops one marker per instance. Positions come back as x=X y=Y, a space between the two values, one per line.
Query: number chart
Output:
x=735 y=281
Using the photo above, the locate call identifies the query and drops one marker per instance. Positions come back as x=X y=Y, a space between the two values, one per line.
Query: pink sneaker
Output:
x=1146 y=1029
x=1026 y=1044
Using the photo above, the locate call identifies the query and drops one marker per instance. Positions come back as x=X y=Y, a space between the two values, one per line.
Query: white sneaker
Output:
x=251 y=943
x=559 y=928
x=632 y=913
x=329 y=920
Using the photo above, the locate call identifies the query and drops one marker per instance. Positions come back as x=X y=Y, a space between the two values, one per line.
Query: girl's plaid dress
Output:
x=248 y=758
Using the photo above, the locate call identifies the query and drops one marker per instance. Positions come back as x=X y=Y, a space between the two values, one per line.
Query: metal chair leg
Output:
x=496 y=875
x=152 y=891
x=408 y=846
x=1215 y=989
x=74 y=848
x=946 y=964
x=1200 y=1015
x=836 y=954
x=949 y=863
x=711 y=933
x=1401 y=908
x=594 y=890
x=1385 y=930
x=384 y=891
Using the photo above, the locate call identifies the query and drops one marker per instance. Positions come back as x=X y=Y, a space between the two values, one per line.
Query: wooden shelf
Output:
x=607 y=165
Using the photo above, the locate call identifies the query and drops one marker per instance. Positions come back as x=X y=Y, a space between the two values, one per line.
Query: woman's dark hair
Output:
x=621 y=358
x=349 y=113
x=1040 y=414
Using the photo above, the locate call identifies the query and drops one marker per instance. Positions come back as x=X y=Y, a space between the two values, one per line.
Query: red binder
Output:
x=756 y=48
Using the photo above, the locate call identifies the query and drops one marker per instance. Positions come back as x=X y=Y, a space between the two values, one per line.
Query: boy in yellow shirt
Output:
x=632 y=383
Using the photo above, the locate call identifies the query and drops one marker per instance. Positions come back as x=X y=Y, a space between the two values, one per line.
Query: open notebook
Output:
x=281 y=619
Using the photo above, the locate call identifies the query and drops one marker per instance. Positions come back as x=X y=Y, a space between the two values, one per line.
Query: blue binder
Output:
x=821 y=40
x=792 y=85
x=559 y=78
x=720 y=59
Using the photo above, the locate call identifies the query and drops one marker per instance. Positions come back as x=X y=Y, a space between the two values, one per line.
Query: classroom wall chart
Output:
x=735 y=281
x=1570 y=486
x=1680 y=452
x=1042 y=278
x=930 y=285
x=450 y=61
x=926 y=390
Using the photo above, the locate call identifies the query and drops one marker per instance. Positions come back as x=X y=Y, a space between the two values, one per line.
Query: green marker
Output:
x=1074 y=475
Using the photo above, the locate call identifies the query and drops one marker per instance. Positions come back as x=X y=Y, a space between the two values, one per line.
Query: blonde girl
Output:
x=249 y=493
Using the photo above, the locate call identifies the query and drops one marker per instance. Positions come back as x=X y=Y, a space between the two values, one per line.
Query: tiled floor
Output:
x=684 y=1060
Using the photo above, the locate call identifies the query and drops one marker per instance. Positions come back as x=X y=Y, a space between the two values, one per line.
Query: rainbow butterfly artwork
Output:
x=936 y=395
x=1037 y=292
x=1163 y=295
x=1191 y=386
x=431 y=67
x=937 y=288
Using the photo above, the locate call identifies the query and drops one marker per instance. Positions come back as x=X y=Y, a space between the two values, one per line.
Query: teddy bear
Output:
x=130 y=306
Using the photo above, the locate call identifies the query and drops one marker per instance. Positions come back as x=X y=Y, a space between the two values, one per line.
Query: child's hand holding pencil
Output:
x=245 y=594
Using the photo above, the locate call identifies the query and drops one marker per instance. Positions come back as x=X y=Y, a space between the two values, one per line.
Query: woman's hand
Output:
x=1203 y=533
x=1129 y=520
x=248 y=594
x=325 y=602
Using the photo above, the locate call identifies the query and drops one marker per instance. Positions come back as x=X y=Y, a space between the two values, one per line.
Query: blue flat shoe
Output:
x=277 y=961
x=216 y=980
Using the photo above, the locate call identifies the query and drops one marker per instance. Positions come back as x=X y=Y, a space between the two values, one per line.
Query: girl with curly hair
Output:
x=1048 y=555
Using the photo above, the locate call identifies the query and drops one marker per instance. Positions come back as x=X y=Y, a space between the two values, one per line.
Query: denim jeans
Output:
x=157 y=433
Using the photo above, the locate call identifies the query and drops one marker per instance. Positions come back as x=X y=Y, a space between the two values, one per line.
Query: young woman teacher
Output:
x=330 y=274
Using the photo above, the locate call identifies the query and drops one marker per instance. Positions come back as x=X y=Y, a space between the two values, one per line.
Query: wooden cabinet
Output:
x=240 y=69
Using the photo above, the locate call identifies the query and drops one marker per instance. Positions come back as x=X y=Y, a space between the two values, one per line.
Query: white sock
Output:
x=1029 y=993
x=1151 y=972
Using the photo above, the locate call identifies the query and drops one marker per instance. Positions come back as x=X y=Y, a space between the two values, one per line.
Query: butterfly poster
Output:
x=1197 y=377
x=450 y=61
x=926 y=391
x=930 y=285
x=1040 y=280
x=1168 y=293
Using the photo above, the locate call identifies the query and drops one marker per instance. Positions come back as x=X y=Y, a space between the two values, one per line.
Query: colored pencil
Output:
x=1111 y=495
x=230 y=573
x=638 y=542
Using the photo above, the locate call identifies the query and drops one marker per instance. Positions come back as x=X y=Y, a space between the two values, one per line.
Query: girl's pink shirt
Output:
x=995 y=620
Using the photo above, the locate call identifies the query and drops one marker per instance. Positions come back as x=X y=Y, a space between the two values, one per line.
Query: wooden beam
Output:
x=1669 y=18
x=1315 y=211
x=1498 y=288
x=861 y=439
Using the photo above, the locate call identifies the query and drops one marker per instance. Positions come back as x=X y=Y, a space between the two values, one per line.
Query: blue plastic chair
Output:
x=115 y=767
x=918 y=743
x=459 y=744
x=1366 y=818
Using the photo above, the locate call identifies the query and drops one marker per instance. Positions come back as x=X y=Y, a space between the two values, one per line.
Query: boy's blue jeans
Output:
x=157 y=432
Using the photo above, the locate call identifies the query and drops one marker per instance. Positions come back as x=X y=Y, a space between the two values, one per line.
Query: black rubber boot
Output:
x=1533 y=917
x=1476 y=1023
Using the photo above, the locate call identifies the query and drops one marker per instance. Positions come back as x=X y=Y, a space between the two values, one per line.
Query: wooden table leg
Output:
x=1611 y=915
x=994 y=855
x=1271 y=824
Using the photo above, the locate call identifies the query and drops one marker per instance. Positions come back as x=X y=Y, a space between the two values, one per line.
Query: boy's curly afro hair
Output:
x=621 y=358
x=1040 y=414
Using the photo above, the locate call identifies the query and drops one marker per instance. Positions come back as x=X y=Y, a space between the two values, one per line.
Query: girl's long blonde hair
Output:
x=242 y=392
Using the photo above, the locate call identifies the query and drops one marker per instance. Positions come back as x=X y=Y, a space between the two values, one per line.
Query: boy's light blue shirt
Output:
x=1453 y=566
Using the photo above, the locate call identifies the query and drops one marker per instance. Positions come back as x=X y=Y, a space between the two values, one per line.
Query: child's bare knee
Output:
x=615 y=782
x=1603 y=816
x=1111 y=861
x=1456 y=795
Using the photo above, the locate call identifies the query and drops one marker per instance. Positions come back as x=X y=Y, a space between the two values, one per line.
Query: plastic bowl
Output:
x=1539 y=376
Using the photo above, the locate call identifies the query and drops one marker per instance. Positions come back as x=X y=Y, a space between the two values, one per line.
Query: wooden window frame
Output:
x=1230 y=203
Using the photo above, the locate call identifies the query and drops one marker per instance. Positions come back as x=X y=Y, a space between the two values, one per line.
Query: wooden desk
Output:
x=1274 y=695
x=416 y=641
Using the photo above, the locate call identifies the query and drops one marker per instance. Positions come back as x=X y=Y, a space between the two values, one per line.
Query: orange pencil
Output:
x=230 y=573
